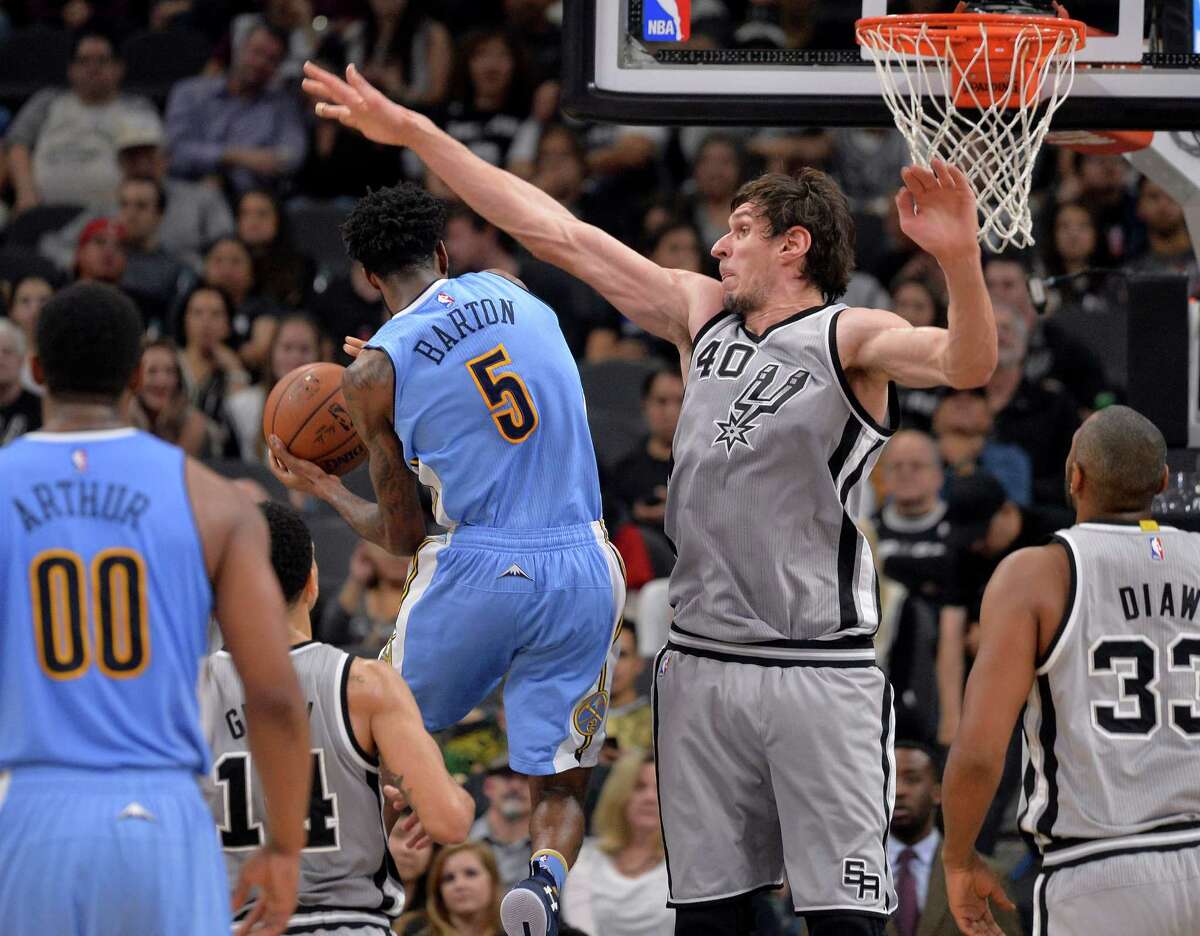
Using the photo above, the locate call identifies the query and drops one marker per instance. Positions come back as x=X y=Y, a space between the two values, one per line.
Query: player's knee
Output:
x=845 y=924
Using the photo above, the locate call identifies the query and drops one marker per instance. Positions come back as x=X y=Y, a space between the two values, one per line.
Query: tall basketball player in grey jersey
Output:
x=772 y=720
x=1096 y=635
x=358 y=710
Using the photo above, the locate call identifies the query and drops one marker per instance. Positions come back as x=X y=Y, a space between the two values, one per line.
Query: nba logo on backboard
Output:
x=1156 y=548
x=667 y=20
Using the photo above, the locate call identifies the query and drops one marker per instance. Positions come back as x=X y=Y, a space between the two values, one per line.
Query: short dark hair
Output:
x=91 y=31
x=291 y=549
x=935 y=756
x=160 y=193
x=648 y=383
x=394 y=230
x=812 y=200
x=181 y=316
x=1124 y=454
x=89 y=341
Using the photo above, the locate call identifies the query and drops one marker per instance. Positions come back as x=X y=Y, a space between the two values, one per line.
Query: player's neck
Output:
x=786 y=301
x=915 y=508
x=1087 y=513
x=299 y=624
x=60 y=415
x=403 y=290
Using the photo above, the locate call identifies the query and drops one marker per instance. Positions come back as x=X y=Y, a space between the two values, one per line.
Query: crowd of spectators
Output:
x=212 y=197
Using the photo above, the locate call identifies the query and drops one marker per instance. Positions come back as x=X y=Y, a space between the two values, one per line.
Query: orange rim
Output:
x=964 y=27
x=1101 y=142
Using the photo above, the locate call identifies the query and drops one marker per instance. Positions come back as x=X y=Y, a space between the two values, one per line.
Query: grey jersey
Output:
x=347 y=878
x=1112 y=725
x=772 y=453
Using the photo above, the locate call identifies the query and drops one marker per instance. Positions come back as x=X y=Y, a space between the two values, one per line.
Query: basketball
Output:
x=307 y=410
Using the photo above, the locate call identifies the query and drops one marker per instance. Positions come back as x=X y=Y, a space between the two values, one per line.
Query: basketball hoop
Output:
x=978 y=91
x=1101 y=142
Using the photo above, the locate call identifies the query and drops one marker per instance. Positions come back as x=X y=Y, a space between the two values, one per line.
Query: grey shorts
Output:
x=1150 y=893
x=766 y=769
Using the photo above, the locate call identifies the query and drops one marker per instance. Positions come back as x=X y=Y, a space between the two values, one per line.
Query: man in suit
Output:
x=915 y=850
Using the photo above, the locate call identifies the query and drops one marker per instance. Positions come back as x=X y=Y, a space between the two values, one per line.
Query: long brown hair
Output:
x=812 y=200
x=435 y=907
x=610 y=822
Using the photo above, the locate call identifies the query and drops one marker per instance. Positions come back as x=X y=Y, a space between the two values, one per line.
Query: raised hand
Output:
x=359 y=105
x=968 y=891
x=937 y=210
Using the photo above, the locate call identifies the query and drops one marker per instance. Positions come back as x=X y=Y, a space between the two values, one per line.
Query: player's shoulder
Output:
x=1035 y=570
x=374 y=686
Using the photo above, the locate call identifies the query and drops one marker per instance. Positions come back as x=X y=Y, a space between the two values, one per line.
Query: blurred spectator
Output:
x=540 y=34
x=911 y=550
x=963 y=426
x=62 y=146
x=914 y=850
x=1039 y=416
x=1050 y=351
x=560 y=168
x=297 y=341
x=20 y=410
x=475 y=245
x=399 y=47
x=921 y=305
x=229 y=267
x=719 y=170
x=412 y=867
x=630 y=724
x=618 y=885
x=1100 y=183
x=236 y=126
x=464 y=893
x=101 y=253
x=364 y=615
x=490 y=94
x=28 y=296
x=153 y=277
x=161 y=406
x=350 y=306
x=898 y=257
x=290 y=18
x=211 y=370
x=1073 y=244
x=504 y=826
x=867 y=163
x=639 y=483
x=281 y=274
x=1168 y=246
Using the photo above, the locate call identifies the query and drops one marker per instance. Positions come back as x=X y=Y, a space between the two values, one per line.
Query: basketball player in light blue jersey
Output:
x=114 y=550
x=470 y=388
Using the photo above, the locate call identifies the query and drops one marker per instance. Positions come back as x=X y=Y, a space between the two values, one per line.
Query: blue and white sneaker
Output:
x=531 y=907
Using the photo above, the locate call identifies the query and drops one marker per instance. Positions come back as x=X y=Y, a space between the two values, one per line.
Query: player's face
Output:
x=294 y=345
x=466 y=886
x=744 y=256
x=917 y=791
x=27 y=304
x=913 y=303
x=641 y=812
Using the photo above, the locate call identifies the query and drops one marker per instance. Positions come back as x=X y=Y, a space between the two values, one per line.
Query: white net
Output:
x=984 y=112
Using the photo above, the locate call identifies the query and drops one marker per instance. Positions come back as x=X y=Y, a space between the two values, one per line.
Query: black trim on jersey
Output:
x=326 y=927
x=842 y=643
x=837 y=461
x=1061 y=844
x=794 y=317
x=709 y=325
x=1028 y=783
x=699 y=904
x=1046 y=736
x=304 y=643
x=887 y=775
x=1130 y=850
x=387 y=868
x=1070 y=606
x=846 y=554
x=343 y=692
x=856 y=475
x=893 y=404
x=658 y=760
x=828 y=914
x=766 y=661
x=1043 y=903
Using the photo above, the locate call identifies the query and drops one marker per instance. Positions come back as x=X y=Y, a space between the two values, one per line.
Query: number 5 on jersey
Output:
x=505 y=395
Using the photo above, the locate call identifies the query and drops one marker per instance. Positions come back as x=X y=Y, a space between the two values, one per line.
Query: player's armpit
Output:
x=369 y=388
x=377 y=692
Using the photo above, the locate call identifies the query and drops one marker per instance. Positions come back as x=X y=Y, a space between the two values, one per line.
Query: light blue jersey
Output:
x=489 y=406
x=104 y=602
x=524 y=584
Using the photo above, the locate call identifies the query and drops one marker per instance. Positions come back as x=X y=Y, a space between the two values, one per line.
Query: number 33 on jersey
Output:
x=489 y=407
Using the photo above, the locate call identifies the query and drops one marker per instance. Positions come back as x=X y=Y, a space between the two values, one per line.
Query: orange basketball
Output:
x=307 y=411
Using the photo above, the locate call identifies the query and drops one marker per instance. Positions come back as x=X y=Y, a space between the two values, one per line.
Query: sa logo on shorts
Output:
x=589 y=714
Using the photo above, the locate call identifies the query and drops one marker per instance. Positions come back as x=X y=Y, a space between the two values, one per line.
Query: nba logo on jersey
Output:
x=1156 y=549
x=667 y=20
x=445 y=299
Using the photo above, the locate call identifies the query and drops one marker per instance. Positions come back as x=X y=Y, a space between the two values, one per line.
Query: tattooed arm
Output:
x=396 y=522
x=387 y=721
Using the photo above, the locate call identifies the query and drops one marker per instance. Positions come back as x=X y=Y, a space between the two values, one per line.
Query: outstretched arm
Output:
x=1014 y=606
x=396 y=522
x=671 y=304
x=937 y=210
x=381 y=701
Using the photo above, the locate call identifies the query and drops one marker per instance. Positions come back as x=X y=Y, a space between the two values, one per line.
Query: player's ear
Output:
x=442 y=258
x=312 y=588
x=135 y=379
x=1166 y=477
x=795 y=242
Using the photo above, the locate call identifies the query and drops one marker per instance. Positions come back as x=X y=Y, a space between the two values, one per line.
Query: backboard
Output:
x=796 y=63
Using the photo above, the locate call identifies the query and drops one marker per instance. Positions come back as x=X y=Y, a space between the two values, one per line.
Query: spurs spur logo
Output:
x=761 y=397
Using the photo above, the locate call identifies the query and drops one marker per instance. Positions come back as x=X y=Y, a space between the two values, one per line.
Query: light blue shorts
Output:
x=85 y=853
x=543 y=607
